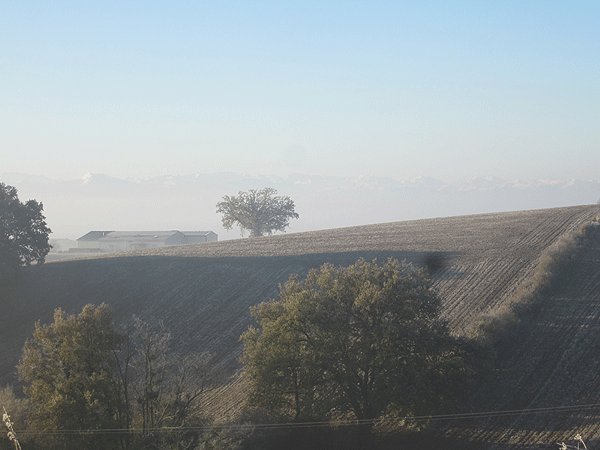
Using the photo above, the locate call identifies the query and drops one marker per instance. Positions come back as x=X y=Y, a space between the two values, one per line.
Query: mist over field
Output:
x=187 y=202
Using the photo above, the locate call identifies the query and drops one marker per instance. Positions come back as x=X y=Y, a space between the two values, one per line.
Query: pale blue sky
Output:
x=446 y=89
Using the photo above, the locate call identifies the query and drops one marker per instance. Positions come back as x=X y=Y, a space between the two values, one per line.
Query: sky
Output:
x=449 y=89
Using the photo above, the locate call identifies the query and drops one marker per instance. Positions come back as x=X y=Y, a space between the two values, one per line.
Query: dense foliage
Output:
x=259 y=212
x=90 y=387
x=364 y=340
x=23 y=231
x=72 y=379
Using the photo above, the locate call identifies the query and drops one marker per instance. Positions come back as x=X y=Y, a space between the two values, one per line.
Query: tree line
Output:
x=88 y=386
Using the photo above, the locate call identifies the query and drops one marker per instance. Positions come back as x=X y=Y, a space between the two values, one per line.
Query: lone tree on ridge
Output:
x=259 y=212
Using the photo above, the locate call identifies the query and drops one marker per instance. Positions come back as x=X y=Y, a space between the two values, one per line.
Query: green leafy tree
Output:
x=83 y=379
x=72 y=382
x=364 y=340
x=259 y=212
x=23 y=231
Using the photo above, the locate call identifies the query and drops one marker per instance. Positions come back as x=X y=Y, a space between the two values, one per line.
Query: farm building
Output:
x=122 y=241
x=198 y=237
x=90 y=240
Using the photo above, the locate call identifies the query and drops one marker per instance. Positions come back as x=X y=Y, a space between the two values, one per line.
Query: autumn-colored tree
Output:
x=88 y=386
x=72 y=383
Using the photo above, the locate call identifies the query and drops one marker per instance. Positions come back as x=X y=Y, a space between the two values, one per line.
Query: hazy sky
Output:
x=445 y=89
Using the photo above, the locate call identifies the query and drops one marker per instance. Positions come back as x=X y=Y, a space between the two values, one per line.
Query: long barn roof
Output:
x=139 y=235
x=94 y=235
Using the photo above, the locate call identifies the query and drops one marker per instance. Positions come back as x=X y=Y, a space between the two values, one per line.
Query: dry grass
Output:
x=496 y=324
x=12 y=436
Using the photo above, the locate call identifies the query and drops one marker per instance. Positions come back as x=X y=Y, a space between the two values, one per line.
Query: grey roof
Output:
x=140 y=235
x=94 y=235
x=196 y=233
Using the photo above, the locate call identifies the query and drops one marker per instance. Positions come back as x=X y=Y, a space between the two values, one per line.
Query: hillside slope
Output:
x=550 y=366
x=203 y=293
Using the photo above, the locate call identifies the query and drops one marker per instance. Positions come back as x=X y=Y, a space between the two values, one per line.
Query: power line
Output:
x=317 y=424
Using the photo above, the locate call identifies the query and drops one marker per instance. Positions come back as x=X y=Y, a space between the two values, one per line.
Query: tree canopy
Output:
x=84 y=381
x=258 y=211
x=365 y=340
x=23 y=230
x=72 y=381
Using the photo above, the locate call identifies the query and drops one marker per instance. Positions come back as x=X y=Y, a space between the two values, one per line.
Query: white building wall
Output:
x=113 y=246
x=88 y=244
x=119 y=245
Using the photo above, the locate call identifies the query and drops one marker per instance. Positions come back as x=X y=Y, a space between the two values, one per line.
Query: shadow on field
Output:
x=434 y=261
x=205 y=300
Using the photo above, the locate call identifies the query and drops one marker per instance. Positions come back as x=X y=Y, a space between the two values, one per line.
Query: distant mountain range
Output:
x=187 y=202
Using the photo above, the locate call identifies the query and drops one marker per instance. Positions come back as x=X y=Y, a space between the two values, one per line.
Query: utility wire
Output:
x=317 y=424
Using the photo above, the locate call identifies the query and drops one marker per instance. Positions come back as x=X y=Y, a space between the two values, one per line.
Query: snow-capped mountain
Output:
x=98 y=201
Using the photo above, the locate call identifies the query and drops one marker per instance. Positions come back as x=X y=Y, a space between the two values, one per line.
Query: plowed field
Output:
x=203 y=293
